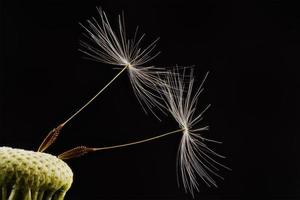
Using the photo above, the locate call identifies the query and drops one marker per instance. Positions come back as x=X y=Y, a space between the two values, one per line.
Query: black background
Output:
x=250 y=48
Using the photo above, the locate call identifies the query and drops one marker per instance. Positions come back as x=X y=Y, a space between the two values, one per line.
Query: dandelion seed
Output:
x=37 y=175
x=195 y=158
x=114 y=48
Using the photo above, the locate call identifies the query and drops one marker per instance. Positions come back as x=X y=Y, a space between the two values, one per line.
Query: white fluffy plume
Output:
x=195 y=158
x=113 y=47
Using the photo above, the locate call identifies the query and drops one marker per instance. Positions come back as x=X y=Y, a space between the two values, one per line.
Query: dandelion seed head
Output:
x=113 y=47
x=195 y=158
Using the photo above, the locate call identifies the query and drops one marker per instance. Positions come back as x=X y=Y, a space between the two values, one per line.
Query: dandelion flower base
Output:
x=29 y=175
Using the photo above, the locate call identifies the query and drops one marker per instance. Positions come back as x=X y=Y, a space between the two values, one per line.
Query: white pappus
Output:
x=195 y=158
x=114 y=48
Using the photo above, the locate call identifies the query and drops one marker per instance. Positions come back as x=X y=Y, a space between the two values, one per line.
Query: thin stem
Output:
x=92 y=99
x=138 y=142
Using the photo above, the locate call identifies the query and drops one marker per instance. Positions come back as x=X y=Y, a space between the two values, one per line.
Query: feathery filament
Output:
x=195 y=158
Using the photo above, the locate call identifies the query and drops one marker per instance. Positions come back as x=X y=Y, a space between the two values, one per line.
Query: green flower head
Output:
x=32 y=175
